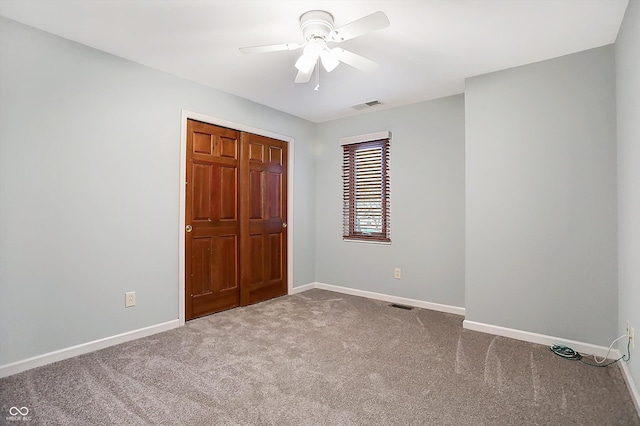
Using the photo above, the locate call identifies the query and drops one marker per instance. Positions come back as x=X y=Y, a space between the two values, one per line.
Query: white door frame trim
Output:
x=183 y=178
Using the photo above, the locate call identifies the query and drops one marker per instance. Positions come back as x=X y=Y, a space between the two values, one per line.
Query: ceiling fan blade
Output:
x=304 y=77
x=367 y=24
x=271 y=48
x=359 y=62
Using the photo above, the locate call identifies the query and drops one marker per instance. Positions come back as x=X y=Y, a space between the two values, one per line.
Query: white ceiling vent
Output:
x=367 y=105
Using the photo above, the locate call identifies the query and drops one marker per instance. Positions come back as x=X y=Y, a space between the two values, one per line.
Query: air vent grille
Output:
x=367 y=105
x=406 y=308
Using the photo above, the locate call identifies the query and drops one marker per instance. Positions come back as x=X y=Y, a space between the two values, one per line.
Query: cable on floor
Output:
x=573 y=355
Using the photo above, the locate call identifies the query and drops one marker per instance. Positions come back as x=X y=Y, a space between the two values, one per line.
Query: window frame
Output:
x=350 y=146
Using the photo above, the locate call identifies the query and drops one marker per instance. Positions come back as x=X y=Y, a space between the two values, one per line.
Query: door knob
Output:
x=284 y=224
x=188 y=228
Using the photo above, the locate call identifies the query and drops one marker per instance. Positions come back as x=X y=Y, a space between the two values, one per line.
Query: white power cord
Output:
x=595 y=358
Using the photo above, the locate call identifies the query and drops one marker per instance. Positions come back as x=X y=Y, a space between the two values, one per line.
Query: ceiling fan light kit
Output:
x=329 y=59
x=317 y=30
x=310 y=54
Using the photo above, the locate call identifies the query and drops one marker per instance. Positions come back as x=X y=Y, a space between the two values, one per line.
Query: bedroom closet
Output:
x=236 y=219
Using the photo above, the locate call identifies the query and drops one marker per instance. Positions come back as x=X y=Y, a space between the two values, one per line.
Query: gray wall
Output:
x=89 y=190
x=427 y=205
x=628 y=110
x=541 y=197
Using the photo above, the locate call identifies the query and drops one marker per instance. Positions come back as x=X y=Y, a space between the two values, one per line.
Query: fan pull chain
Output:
x=317 y=75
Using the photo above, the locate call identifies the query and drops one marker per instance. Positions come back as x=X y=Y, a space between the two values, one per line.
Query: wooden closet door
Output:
x=263 y=202
x=212 y=220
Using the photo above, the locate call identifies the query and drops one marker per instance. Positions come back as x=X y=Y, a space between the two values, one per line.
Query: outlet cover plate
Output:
x=129 y=299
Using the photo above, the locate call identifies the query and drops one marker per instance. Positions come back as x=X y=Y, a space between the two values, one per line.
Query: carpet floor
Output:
x=321 y=358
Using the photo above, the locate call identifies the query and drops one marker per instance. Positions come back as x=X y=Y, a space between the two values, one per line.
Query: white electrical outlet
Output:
x=129 y=299
x=631 y=333
x=397 y=273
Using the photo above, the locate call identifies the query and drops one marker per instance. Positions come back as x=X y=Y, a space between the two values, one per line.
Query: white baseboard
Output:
x=302 y=288
x=59 y=355
x=633 y=389
x=387 y=298
x=542 y=339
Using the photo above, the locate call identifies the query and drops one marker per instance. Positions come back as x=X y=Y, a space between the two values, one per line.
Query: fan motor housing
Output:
x=316 y=23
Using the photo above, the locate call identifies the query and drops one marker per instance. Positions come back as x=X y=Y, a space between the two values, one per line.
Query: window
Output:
x=366 y=189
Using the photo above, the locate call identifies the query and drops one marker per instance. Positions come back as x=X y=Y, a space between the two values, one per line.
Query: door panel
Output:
x=226 y=270
x=256 y=152
x=228 y=190
x=200 y=265
x=256 y=194
x=212 y=246
x=256 y=273
x=274 y=195
x=275 y=261
x=202 y=178
x=275 y=155
x=202 y=143
x=263 y=262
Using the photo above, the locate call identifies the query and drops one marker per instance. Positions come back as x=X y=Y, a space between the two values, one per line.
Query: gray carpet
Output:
x=321 y=358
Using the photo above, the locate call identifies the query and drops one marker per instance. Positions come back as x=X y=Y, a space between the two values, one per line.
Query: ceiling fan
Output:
x=317 y=30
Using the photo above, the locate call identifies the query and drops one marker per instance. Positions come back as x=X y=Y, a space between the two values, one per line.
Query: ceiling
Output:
x=428 y=50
